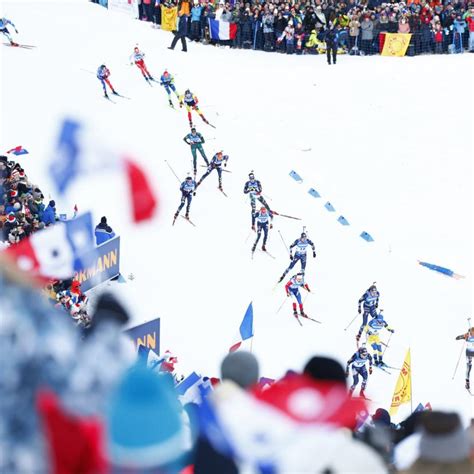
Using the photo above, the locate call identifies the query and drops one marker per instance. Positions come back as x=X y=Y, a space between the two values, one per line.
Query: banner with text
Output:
x=104 y=264
x=147 y=335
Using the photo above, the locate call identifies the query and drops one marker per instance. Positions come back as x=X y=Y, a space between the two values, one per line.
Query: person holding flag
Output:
x=373 y=339
x=358 y=362
x=469 y=338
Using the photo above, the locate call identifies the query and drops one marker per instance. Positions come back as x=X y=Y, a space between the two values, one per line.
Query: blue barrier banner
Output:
x=314 y=193
x=146 y=335
x=329 y=207
x=367 y=237
x=103 y=264
x=296 y=176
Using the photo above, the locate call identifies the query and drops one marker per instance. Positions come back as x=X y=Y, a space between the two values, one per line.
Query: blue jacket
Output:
x=196 y=13
x=48 y=216
x=103 y=232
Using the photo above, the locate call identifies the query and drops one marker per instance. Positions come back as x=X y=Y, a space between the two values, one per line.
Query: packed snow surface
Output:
x=390 y=144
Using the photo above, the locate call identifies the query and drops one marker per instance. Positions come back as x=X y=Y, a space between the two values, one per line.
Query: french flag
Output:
x=78 y=154
x=57 y=251
x=246 y=328
x=18 y=150
x=193 y=388
x=222 y=30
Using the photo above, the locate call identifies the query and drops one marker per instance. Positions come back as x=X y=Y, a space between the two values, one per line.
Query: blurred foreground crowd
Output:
x=83 y=402
x=302 y=27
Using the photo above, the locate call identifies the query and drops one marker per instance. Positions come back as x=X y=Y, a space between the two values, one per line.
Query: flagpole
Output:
x=411 y=383
x=251 y=344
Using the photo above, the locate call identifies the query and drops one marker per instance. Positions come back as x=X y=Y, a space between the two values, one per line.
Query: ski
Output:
x=362 y=398
x=16 y=45
x=390 y=367
x=285 y=215
x=311 y=319
x=383 y=369
x=109 y=99
x=268 y=253
x=174 y=219
x=189 y=220
x=222 y=191
x=210 y=124
x=206 y=166
x=298 y=319
x=122 y=96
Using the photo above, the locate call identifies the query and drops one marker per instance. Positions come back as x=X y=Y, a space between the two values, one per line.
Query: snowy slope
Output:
x=391 y=148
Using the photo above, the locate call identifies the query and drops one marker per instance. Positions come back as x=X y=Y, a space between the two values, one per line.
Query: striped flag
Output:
x=246 y=328
x=18 y=150
x=222 y=30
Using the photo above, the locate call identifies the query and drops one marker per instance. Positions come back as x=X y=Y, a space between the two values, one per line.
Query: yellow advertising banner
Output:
x=396 y=44
x=168 y=18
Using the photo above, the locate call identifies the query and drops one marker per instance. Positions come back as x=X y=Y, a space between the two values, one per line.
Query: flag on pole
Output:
x=402 y=392
x=18 y=150
x=246 y=328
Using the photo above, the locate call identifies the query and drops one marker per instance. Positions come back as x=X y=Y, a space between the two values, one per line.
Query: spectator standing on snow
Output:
x=103 y=232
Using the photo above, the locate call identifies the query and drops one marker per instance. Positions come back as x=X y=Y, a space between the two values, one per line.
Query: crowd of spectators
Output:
x=23 y=209
x=300 y=27
x=74 y=402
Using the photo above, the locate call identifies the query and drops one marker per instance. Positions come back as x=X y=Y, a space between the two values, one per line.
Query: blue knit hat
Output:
x=144 y=426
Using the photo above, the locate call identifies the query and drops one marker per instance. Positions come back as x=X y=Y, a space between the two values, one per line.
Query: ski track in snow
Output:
x=389 y=146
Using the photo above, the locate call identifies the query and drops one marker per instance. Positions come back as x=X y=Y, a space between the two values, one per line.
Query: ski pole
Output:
x=352 y=320
x=267 y=197
x=281 y=306
x=388 y=342
x=283 y=240
x=172 y=170
x=459 y=359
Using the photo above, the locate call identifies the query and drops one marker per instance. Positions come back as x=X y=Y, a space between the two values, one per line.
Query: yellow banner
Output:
x=402 y=392
x=168 y=18
x=396 y=44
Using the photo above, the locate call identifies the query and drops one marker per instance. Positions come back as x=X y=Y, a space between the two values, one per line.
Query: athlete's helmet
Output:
x=362 y=350
x=373 y=288
x=193 y=129
x=166 y=73
x=251 y=175
x=187 y=92
x=299 y=277
x=188 y=178
x=303 y=235
x=136 y=49
x=380 y=315
x=219 y=152
x=263 y=209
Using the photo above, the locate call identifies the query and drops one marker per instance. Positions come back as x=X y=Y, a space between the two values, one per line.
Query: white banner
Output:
x=129 y=7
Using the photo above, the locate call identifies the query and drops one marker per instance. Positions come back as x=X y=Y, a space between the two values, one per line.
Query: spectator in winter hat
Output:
x=444 y=445
x=325 y=369
x=144 y=428
x=103 y=232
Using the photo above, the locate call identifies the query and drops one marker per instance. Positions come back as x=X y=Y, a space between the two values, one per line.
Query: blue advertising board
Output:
x=103 y=264
x=147 y=335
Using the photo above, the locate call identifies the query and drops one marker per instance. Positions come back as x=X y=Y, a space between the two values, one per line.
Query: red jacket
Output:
x=470 y=23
